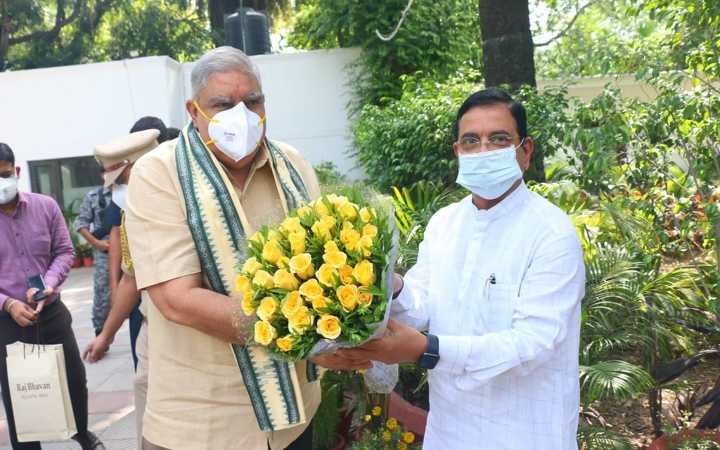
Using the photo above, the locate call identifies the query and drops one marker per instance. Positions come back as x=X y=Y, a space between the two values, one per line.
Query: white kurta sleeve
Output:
x=411 y=306
x=544 y=315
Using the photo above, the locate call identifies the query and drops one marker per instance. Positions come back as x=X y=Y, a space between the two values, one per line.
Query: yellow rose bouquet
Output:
x=321 y=279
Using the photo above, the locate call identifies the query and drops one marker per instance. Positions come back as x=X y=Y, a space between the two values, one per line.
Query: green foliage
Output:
x=329 y=176
x=410 y=139
x=695 y=27
x=147 y=28
x=326 y=418
x=436 y=39
x=414 y=207
x=613 y=379
x=108 y=30
x=612 y=37
x=596 y=438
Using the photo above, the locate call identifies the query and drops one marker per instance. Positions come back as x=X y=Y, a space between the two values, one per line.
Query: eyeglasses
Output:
x=497 y=141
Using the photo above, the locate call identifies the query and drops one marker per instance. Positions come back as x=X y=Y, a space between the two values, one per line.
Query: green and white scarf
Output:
x=214 y=218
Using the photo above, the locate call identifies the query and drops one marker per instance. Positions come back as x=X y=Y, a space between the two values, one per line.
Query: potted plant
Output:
x=84 y=251
x=383 y=433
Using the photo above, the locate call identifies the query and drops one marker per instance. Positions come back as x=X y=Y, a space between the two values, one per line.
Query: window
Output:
x=67 y=180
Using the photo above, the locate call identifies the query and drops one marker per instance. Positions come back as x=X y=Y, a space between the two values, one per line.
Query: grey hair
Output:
x=221 y=59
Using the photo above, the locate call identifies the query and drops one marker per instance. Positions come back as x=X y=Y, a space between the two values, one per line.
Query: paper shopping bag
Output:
x=39 y=392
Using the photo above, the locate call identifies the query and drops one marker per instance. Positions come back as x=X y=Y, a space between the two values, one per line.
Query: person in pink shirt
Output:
x=34 y=241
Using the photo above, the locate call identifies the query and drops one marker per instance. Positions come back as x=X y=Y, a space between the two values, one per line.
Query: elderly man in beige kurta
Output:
x=196 y=396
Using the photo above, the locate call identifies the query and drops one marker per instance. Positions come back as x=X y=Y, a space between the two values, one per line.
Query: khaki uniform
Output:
x=196 y=397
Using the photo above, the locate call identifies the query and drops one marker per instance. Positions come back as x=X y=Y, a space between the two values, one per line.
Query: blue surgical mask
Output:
x=489 y=174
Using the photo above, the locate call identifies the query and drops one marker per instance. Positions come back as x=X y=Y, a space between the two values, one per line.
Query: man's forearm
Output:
x=185 y=302
x=85 y=233
x=123 y=301
x=115 y=259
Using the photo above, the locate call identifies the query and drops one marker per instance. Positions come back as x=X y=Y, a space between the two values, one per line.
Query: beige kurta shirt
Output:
x=196 y=397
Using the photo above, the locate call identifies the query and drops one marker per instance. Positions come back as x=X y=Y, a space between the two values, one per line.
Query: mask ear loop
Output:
x=209 y=119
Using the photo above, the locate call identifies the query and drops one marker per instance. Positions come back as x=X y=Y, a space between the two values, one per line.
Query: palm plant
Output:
x=414 y=206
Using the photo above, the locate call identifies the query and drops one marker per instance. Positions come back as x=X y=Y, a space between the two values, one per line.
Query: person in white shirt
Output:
x=497 y=286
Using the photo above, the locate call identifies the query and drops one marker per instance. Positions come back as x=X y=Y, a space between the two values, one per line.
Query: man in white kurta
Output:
x=498 y=281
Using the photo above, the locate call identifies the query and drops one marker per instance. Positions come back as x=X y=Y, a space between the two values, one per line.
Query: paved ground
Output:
x=110 y=381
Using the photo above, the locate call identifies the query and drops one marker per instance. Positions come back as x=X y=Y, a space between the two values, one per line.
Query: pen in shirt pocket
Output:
x=491 y=280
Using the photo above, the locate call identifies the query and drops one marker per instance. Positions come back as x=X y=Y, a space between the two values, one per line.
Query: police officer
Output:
x=90 y=226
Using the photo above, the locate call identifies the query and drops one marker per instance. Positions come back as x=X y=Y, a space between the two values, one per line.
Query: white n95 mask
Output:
x=236 y=132
x=119 y=195
x=8 y=189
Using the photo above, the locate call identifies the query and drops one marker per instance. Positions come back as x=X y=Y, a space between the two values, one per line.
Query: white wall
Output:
x=66 y=111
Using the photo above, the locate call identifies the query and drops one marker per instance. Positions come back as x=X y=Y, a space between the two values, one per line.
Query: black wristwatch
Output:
x=430 y=358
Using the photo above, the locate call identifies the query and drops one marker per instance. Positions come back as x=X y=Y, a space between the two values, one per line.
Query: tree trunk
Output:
x=508 y=56
x=4 y=34
x=508 y=51
x=655 y=400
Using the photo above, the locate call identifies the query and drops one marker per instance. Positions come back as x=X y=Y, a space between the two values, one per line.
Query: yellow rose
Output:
x=365 y=298
x=283 y=263
x=292 y=303
x=285 y=280
x=272 y=251
x=311 y=289
x=326 y=275
x=297 y=241
x=335 y=259
x=319 y=303
x=331 y=246
x=364 y=273
x=387 y=436
x=408 y=437
x=370 y=230
x=242 y=283
x=391 y=423
x=274 y=235
x=247 y=305
x=350 y=238
x=251 y=266
x=301 y=265
x=258 y=237
x=263 y=279
x=267 y=308
x=349 y=211
x=264 y=332
x=285 y=343
x=365 y=244
x=337 y=200
x=300 y=321
x=291 y=225
x=348 y=295
x=376 y=411
x=365 y=215
x=321 y=231
x=346 y=274
x=320 y=208
x=329 y=326
x=328 y=222
x=401 y=446
x=304 y=211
